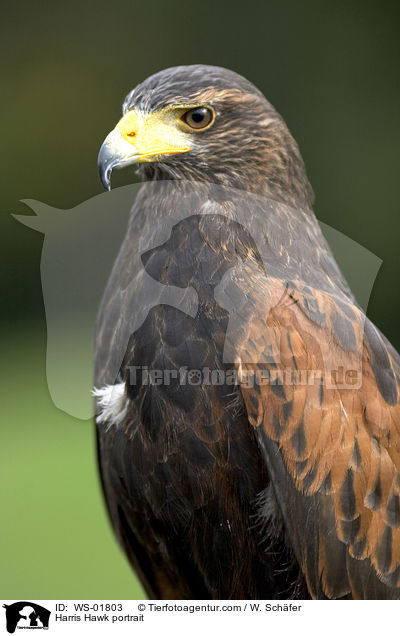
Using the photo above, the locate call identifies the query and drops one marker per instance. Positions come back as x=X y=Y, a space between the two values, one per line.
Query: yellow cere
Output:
x=155 y=133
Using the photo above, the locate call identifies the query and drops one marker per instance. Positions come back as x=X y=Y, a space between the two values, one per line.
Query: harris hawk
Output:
x=282 y=479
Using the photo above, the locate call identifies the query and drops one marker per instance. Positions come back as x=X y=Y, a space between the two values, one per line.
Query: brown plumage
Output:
x=285 y=486
x=339 y=445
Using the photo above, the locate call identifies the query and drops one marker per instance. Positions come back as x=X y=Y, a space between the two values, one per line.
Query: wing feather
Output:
x=328 y=422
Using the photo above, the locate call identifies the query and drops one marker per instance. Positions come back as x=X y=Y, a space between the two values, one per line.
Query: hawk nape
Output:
x=278 y=488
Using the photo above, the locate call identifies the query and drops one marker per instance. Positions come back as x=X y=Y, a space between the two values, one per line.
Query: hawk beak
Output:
x=139 y=137
x=116 y=152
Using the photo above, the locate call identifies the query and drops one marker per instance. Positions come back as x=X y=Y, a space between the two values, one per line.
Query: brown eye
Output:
x=198 y=118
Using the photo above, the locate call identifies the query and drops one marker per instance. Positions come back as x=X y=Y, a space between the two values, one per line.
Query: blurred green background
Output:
x=330 y=67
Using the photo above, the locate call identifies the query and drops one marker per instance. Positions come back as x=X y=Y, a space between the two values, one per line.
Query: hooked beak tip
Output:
x=105 y=178
x=114 y=153
x=105 y=164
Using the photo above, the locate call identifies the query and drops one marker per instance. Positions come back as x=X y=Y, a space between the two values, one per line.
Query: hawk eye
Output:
x=198 y=118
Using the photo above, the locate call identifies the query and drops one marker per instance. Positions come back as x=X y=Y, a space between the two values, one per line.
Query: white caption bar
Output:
x=194 y=617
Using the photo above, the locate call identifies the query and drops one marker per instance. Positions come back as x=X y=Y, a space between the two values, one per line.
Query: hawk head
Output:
x=206 y=123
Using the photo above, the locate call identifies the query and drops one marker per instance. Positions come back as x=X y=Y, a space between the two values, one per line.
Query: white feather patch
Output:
x=112 y=402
